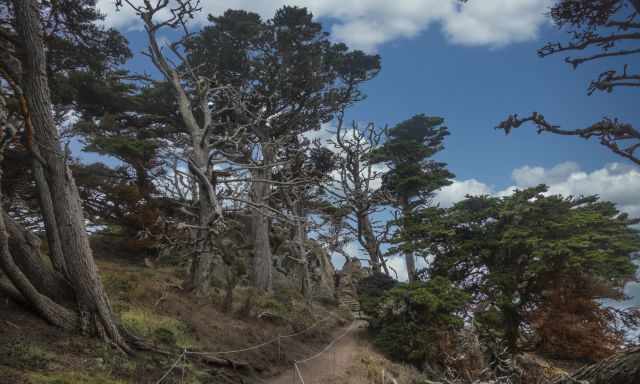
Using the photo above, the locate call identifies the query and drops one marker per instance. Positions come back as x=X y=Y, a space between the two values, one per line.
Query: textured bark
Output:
x=203 y=257
x=622 y=368
x=263 y=274
x=51 y=226
x=408 y=256
x=47 y=308
x=25 y=249
x=263 y=258
x=24 y=290
x=299 y=239
x=209 y=207
x=371 y=244
x=95 y=311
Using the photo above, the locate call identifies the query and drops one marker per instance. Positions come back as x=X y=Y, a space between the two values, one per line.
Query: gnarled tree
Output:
x=29 y=37
x=599 y=29
x=356 y=188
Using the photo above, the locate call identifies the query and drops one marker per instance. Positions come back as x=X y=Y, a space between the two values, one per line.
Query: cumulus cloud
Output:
x=457 y=191
x=615 y=182
x=496 y=22
x=366 y=24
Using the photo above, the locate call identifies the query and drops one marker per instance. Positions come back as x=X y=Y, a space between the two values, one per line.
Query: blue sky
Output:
x=473 y=65
x=474 y=83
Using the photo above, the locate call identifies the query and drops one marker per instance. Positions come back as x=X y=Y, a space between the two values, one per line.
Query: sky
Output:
x=472 y=64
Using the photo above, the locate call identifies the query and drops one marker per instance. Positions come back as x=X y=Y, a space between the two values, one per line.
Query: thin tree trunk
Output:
x=408 y=256
x=95 y=310
x=370 y=243
x=51 y=226
x=263 y=259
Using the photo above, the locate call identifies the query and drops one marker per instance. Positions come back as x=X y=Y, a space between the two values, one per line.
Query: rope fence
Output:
x=278 y=339
x=296 y=363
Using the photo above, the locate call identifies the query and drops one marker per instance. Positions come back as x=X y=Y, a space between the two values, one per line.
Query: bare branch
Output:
x=612 y=133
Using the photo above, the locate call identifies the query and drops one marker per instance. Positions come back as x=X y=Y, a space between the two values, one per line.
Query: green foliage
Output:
x=284 y=61
x=508 y=252
x=408 y=152
x=160 y=328
x=413 y=321
x=413 y=176
x=371 y=291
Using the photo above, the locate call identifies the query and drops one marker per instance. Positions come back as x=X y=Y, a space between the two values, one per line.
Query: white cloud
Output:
x=496 y=22
x=614 y=182
x=457 y=191
x=366 y=24
x=531 y=176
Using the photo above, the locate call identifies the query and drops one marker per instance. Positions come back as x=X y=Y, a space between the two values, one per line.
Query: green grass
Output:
x=164 y=329
x=71 y=378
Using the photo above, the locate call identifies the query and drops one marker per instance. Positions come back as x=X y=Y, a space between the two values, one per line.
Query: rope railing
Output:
x=186 y=352
x=296 y=367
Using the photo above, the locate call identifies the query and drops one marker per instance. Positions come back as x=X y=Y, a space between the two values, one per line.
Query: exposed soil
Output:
x=31 y=351
x=331 y=363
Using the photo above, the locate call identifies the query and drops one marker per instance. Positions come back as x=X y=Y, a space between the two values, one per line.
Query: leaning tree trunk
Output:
x=263 y=259
x=622 y=368
x=25 y=250
x=49 y=218
x=95 y=311
x=371 y=244
x=51 y=311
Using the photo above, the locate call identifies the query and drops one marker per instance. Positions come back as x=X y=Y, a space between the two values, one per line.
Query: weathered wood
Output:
x=25 y=248
x=263 y=257
x=622 y=368
x=95 y=311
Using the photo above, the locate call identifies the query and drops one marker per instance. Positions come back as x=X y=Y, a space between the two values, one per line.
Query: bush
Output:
x=371 y=290
x=414 y=323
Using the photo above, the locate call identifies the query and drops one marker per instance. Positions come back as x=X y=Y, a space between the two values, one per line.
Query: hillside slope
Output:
x=151 y=303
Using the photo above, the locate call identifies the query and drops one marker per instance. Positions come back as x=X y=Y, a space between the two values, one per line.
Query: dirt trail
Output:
x=330 y=364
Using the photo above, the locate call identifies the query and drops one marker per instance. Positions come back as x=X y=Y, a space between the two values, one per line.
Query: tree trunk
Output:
x=25 y=291
x=622 y=368
x=95 y=311
x=51 y=311
x=51 y=226
x=263 y=259
x=511 y=325
x=25 y=250
x=203 y=256
x=370 y=243
x=408 y=256
x=299 y=238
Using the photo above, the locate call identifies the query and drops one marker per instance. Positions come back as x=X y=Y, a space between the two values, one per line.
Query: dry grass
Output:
x=152 y=303
x=367 y=367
